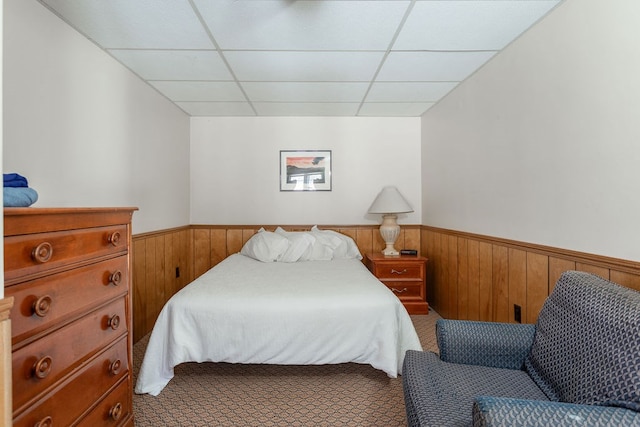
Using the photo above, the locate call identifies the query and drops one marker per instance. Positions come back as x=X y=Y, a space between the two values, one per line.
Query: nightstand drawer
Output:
x=398 y=270
x=405 y=276
x=406 y=290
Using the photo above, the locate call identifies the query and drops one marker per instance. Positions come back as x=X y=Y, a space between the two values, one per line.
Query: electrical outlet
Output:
x=517 y=313
x=177 y=272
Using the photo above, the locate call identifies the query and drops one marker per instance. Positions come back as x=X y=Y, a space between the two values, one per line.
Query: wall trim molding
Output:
x=160 y=232
x=632 y=266
x=296 y=226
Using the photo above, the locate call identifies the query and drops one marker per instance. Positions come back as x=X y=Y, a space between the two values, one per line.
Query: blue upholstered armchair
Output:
x=579 y=365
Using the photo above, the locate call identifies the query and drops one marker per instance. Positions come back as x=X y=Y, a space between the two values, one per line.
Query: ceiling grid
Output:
x=393 y=58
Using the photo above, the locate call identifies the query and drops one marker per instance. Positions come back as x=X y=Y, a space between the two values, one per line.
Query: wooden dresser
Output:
x=405 y=276
x=68 y=272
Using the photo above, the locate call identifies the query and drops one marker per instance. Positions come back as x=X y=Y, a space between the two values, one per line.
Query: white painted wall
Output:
x=83 y=129
x=235 y=168
x=542 y=145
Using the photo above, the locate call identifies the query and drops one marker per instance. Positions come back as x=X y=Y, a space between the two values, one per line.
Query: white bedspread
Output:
x=304 y=313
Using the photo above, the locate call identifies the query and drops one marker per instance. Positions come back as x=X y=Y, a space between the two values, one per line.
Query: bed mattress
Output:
x=302 y=313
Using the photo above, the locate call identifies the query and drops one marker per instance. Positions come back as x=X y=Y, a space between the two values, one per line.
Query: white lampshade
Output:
x=390 y=202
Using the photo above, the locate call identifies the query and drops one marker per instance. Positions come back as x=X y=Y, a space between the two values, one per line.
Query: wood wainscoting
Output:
x=166 y=261
x=212 y=243
x=469 y=276
x=161 y=267
x=478 y=277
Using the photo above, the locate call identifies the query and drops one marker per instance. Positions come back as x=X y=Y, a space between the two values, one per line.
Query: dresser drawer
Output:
x=77 y=396
x=406 y=290
x=31 y=254
x=399 y=270
x=40 y=364
x=113 y=410
x=42 y=303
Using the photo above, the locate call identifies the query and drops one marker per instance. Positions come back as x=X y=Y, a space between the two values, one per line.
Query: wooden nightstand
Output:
x=405 y=276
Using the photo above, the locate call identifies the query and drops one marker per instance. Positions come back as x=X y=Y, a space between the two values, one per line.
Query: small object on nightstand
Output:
x=411 y=252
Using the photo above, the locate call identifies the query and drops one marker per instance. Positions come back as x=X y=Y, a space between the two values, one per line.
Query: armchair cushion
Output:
x=587 y=343
x=436 y=391
x=499 y=411
x=500 y=345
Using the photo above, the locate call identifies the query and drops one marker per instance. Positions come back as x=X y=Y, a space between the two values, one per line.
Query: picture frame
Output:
x=305 y=170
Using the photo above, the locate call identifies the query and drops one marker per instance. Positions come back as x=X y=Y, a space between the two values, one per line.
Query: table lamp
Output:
x=389 y=203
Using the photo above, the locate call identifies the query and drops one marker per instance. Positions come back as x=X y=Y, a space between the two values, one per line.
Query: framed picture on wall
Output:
x=305 y=170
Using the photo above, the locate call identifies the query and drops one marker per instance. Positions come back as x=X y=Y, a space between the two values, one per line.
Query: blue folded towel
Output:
x=19 y=197
x=14 y=180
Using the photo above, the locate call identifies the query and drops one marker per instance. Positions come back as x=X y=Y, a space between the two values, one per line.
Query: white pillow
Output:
x=300 y=245
x=320 y=251
x=336 y=246
x=343 y=246
x=265 y=246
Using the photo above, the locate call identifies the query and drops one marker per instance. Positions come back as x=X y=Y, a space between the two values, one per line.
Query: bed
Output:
x=319 y=305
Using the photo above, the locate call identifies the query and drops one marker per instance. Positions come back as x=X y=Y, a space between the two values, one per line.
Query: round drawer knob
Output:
x=42 y=305
x=42 y=367
x=114 y=238
x=114 y=322
x=114 y=367
x=116 y=411
x=45 y=422
x=42 y=253
x=115 y=278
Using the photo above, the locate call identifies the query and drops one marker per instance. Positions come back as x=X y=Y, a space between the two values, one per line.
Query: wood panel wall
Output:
x=468 y=276
x=155 y=258
x=481 y=278
x=195 y=249
x=212 y=244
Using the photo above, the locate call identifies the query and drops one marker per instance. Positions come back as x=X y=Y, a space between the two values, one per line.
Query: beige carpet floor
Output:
x=224 y=394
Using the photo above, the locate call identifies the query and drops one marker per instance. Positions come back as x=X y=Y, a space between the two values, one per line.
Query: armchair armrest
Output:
x=502 y=411
x=500 y=345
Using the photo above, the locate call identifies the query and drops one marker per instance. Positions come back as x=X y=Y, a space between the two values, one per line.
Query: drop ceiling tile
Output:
x=409 y=92
x=468 y=25
x=305 y=109
x=302 y=57
x=199 y=91
x=303 y=66
x=174 y=64
x=217 y=108
x=394 y=109
x=142 y=24
x=431 y=66
x=303 y=25
x=305 y=91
